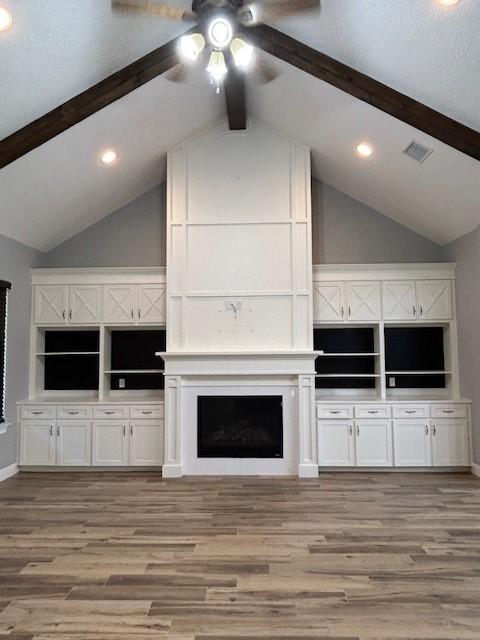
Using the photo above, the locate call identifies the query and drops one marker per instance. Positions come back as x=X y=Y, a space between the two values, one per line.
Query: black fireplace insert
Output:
x=240 y=427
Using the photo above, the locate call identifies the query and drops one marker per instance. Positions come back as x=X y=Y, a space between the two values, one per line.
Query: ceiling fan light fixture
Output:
x=220 y=33
x=191 y=46
x=242 y=52
x=217 y=68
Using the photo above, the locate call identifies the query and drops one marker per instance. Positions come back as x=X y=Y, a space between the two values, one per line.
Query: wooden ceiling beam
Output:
x=234 y=87
x=365 y=88
x=89 y=102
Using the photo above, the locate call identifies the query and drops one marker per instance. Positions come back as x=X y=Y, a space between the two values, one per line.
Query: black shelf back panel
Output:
x=138 y=381
x=415 y=349
x=72 y=340
x=344 y=383
x=71 y=373
x=136 y=349
x=344 y=340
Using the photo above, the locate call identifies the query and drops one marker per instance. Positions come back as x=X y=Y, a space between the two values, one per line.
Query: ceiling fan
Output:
x=220 y=31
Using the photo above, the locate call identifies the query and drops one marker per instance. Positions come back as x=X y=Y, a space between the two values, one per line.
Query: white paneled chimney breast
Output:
x=239 y=298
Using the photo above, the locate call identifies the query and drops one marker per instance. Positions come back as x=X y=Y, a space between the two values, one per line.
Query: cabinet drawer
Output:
x=108 y=412
x=38 y=413
x=147 y=412
x=74 y=413
x=410 y=411
x=372 y=411
x=334 y=411
x=449 y=411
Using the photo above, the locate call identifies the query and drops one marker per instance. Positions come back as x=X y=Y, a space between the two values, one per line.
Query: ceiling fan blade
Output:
x=282 y=8
x=264 y=71
x=153 y=8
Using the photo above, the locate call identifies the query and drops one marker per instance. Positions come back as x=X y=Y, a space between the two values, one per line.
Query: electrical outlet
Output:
x=391 y=382
x=121 y=383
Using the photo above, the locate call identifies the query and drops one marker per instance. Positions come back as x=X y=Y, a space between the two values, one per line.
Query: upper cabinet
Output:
x=346 y=301
x=417 y=300
x=111 y=296
x=369 y=293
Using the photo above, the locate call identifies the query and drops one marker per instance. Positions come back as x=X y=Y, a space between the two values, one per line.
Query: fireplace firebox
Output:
x=240 y=427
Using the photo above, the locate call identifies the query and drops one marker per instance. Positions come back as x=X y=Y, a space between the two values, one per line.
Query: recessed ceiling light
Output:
x=109 y=156
x=364 y=150
x=448 y=3
x=6 y=19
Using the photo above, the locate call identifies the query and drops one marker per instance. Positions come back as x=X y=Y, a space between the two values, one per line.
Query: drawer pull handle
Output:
x=37 y=413
x=434 y=430
x=124 y=431
x=426 y=429
x=109 y=413
x=410 y=411
x=350 y=430
x=131 y=429
x=447 y=410
x=372 y=411
x=146 y=413
x=73 y=413
x=51 y=430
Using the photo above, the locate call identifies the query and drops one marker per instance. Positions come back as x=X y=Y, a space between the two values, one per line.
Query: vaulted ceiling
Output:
x=58 y=49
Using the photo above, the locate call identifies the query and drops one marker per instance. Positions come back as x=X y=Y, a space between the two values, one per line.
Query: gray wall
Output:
x=466 y=253
x=346 y=231
x=15 y=262
x=133 y=236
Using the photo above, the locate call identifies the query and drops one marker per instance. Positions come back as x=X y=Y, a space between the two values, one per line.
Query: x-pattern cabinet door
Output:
x=434 y=299
x=328 y=302
x=51 y=304
x=399 y=300
x=151 y=304
x=363 y=300
x=119 y=303
x=84 y=304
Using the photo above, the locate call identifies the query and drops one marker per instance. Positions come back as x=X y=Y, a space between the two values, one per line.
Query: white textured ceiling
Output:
x=58 y=48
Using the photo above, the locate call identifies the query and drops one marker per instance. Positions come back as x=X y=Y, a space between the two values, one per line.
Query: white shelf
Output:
x=346 y=355
x=118 y=371
x=417 y=373
x=68 y=353
x=347 y=375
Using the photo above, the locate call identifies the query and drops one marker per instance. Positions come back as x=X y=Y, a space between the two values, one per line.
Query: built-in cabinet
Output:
x=67 y=304
x=346 y=301
x=411 y=435
x=417 y=300
x=110 y=436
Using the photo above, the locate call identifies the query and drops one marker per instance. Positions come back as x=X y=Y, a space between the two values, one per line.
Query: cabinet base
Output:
x=308 y=470
x=172 y=471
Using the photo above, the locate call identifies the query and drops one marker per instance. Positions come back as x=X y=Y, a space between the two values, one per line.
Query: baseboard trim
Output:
x=172 y=470
x=476 y=469
x=8 y=472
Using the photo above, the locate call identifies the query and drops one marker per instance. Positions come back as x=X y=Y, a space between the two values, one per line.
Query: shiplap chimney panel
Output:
x=238 y=248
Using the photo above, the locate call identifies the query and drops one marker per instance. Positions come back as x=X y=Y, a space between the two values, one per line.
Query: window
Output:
x=4 y=287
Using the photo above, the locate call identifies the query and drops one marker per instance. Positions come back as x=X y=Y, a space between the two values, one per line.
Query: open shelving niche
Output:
x=352 y=361
x=79 y=363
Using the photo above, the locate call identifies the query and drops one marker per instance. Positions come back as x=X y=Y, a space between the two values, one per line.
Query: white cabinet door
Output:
x=84 y=307
x=151 y=307
x=450 y=443
x=51 y=304
x=146 y=443
x=434 y=298
x=37 y=442
x=119 y=303
x=335 y=443
x=363 y=300
x=399 y=302
x=411 y=443
x=74 y=443
x=110 y=443
x=328 y=303
x=373 y=443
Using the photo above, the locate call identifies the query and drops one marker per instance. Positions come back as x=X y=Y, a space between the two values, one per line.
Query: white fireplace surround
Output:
x=188 y=375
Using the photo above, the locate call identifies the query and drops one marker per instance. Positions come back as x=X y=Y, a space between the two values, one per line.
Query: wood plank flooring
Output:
x=346 y=557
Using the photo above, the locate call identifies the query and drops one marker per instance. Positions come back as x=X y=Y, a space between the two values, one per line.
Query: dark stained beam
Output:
x=365 y=88
x=89 y=102
x=234 y=88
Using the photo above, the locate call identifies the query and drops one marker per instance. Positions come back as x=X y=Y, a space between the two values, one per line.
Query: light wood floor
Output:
x=132 y=556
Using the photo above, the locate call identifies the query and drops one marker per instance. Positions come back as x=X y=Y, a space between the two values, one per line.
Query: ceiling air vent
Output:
x=417 y=151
